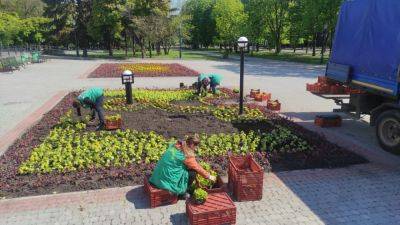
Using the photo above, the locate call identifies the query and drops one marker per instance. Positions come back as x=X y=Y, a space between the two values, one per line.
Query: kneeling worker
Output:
x=93 y=99
x=177 y=167
x=204 y=80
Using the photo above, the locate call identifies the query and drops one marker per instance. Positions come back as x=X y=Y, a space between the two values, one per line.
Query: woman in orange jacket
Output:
x=177 y=167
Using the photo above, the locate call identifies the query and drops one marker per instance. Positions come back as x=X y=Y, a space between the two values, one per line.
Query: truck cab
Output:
x=366 y=56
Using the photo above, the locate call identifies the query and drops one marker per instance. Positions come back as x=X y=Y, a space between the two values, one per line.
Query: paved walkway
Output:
x=363 y=194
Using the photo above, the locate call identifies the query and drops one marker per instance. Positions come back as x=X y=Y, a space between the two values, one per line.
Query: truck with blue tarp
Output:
x=366 y=56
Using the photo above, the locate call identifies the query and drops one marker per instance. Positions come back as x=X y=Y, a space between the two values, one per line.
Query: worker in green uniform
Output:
x=177 y=167
x=92 y=98
x=211 y=79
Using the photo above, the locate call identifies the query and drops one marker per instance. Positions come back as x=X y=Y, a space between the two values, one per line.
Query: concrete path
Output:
x=363 y=194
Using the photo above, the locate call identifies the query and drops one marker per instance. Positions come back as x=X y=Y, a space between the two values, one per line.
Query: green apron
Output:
x=215 y=78
x=92 y=94
x=171 y=173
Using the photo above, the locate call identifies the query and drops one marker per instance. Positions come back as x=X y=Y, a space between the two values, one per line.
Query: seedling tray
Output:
x=158 y=197
x=328 y=121
x=274 y=105
x=245 y=178
x=113 y=124
x=217 y=209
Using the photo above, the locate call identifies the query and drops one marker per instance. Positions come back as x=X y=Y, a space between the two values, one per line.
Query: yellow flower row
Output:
x=144 y=67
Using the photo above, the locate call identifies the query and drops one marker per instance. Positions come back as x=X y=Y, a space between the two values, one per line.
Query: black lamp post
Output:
x=242 y=43
x=127 y=79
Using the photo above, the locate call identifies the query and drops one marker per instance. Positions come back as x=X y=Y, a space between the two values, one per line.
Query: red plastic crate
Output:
x=266 y=96
x=323 y=79
x=337 y=89
x=245 y=178
x=274 y=105
x=217 y=209
x=253 y=92
x=158 y=197
x=113 y=124
x=328 y=121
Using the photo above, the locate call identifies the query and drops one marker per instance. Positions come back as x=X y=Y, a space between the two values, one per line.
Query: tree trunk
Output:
x=142 y=48
x=110 y=50
x=307 y=45
x=278 y=46
x=150 y=52
x=126 y=44
x=158 y=48
x=314 y=44
x=133 y=45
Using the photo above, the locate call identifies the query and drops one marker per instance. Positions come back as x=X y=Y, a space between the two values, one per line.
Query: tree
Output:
x=230 y=20
x=105 y=23
x=61 y=14
x=23 y=8
x=9 y=28
x=256 y=25
x=276 y=16
x=83 y=10
x=200 y=24
x=295 y=25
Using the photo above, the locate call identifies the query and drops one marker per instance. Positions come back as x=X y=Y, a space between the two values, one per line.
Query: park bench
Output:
x=37 y=57
x=25 y=58
x=10 y=64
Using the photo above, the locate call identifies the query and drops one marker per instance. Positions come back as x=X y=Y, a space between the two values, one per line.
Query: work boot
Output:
x=100 y=127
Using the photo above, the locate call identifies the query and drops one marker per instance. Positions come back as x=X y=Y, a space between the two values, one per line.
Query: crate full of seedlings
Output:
x=113 y=122
x=158 y=197
x=210 y=208
x=328 y=120
x=245 y=178
x=274 y=105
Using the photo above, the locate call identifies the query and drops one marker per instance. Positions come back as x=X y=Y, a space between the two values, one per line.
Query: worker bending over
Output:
x=204 y=80
x=177 y=167
x=93 y=99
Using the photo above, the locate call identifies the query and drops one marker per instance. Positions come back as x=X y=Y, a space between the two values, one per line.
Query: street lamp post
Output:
x=127 y=79
x=242 y=43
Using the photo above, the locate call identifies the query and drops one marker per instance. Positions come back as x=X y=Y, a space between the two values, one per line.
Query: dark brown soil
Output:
x=172 y=124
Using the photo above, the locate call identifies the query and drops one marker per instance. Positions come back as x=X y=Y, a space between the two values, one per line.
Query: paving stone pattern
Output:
x=361 y=194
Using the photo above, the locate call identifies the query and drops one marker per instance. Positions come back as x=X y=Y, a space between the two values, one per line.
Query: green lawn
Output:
x=173 y=54
x=292 y=57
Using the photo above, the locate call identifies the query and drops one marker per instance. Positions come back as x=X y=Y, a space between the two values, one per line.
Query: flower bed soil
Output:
x=325 y=154
x=114 y=70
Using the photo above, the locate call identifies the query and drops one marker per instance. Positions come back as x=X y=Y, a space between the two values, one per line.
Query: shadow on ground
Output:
x=138 y=198
x=360 y=194
x=271 y=68
x=357 y=194
x=178 y=219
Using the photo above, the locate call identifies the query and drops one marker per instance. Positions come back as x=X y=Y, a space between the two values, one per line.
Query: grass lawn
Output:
x=292 y=57
x=173 y=54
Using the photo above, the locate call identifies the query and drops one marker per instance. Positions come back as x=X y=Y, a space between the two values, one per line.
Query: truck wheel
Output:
x=388 y=131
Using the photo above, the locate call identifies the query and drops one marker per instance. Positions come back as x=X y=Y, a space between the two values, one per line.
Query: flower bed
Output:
x=110 y=70
x=63 y=153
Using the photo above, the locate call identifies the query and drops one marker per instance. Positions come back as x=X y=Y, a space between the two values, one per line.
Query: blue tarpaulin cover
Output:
x=367 y=38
